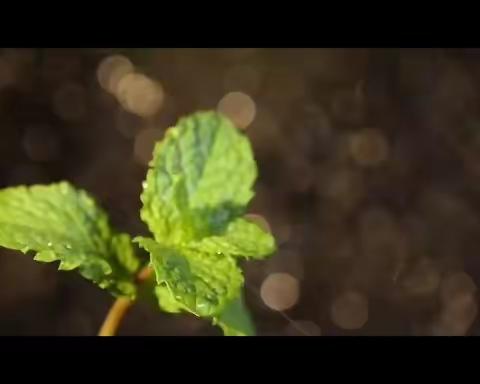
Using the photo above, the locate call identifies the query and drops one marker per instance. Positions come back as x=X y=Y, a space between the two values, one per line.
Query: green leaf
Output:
x=235 y=319
x=242 y=238
x=198 y=282
x=200 y=178
x=166 y=300
x=124 y=252
x=63 y=224
x=197 y=189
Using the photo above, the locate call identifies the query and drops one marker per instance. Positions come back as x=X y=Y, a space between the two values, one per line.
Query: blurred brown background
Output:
x=369 y=177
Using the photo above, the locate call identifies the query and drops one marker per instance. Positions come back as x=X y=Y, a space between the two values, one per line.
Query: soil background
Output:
x=369 y=163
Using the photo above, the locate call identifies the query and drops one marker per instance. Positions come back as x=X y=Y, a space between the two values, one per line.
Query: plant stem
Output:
x=120 y=307
x=115 y=316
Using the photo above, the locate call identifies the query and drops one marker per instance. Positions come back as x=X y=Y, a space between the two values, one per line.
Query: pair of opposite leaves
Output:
x=197 y=188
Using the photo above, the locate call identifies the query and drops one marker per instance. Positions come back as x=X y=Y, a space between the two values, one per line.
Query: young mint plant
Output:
x=198 y=186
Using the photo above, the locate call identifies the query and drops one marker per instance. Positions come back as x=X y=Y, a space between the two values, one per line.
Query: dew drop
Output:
x=49 y=244
x=144 y=185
